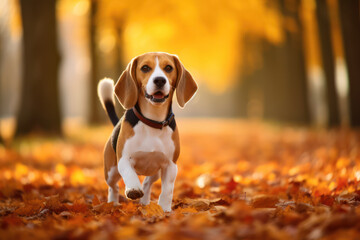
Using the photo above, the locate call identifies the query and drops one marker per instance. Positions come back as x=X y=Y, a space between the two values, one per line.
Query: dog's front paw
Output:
x=133 y=193
x=166 y=208
x=145 y=200
x=113 y=198
x=165 y=203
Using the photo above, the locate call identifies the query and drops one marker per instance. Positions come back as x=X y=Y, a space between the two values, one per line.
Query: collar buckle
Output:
x=165 y=123
x=168 y=120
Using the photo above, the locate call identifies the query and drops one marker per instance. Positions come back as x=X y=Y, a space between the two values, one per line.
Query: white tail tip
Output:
x=106 y=90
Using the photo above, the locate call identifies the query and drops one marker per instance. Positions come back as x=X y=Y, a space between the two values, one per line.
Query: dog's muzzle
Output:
x=157 y=97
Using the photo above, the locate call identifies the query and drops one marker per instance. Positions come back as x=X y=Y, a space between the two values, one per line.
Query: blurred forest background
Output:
x=287 y=61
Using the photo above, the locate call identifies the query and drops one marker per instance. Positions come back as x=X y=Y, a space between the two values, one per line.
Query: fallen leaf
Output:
x=95 y=201
x=152 y=210
x=264 y=201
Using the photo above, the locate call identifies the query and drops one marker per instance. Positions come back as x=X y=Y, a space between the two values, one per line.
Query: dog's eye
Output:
x=168 y=68
x=145 y=68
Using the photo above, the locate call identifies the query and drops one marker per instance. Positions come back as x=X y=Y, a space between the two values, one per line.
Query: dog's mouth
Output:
x=157 y=97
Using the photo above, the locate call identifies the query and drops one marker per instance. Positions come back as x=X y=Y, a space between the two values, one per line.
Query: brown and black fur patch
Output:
x=176 y=140
x=126 y=132
x=109 y=158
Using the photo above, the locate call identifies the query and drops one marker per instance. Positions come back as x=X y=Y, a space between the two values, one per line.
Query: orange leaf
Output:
x=95 y=201
x=9 y=221
x=30 y=208
x=104 y=207
x=264 y=201
x=78 y=207
x=152 y=210
x=327 y=200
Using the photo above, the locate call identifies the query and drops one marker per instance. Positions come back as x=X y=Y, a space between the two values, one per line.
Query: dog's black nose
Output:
x=159 y=82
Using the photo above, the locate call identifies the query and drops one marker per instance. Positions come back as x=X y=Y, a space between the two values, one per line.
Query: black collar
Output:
x=170 y=119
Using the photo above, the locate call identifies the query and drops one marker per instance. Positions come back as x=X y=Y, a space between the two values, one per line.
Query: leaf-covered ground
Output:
x=236 y=180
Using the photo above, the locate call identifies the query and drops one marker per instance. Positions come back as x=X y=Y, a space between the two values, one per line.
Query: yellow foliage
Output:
x=206 y=35
x=20 y=170
x=77 y=177
x=61 y=169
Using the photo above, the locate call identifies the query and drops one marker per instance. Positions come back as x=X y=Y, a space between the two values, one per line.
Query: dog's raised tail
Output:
x=106 y=95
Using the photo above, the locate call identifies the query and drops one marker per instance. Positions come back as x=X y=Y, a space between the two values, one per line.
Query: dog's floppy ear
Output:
x=185 y=84
x=126 y=88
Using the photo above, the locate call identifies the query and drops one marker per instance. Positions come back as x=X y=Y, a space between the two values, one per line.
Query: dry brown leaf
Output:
x=264 y=201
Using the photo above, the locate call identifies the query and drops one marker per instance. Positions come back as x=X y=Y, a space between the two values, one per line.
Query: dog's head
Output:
x=155 y=76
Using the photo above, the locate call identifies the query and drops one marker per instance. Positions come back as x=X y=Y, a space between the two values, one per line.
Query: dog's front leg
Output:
x=149 y=180
x=168 y=176
x=132 y=183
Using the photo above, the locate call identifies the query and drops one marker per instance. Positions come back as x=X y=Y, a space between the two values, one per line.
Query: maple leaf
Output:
x=152 y=210
x=53 y=204
x=104 y=208
x=30 y=208
x=78 y=207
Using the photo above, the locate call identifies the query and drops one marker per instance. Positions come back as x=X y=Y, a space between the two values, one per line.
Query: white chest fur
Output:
x=150 y=149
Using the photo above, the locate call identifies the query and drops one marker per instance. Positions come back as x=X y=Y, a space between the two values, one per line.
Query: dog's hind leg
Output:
x=112 y=175
x=149 y=180
x=112 y=180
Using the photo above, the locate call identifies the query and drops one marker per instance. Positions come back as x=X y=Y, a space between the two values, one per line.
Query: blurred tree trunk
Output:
x=322 y=15
x=289 y=72
x=95 y=107
x=39 y=106
x=350 y=25
x=282 y=79
x=119 y=63
x=1 y=140
x=1 y=137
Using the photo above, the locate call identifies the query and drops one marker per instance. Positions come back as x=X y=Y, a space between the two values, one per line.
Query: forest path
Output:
x=237 y=179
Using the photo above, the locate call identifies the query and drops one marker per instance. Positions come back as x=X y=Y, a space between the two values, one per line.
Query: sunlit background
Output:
x=269 y=145
x=286 y=61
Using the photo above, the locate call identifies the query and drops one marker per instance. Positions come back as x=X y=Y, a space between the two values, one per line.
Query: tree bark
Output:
x=95 y=106
x=39 y=106
x=350 y=25
x=285 y=93
x=1 y=50
x=322 y=15
x=291 y=92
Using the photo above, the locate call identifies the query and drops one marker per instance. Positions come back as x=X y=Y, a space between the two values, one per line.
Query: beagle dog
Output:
x=145 y=141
